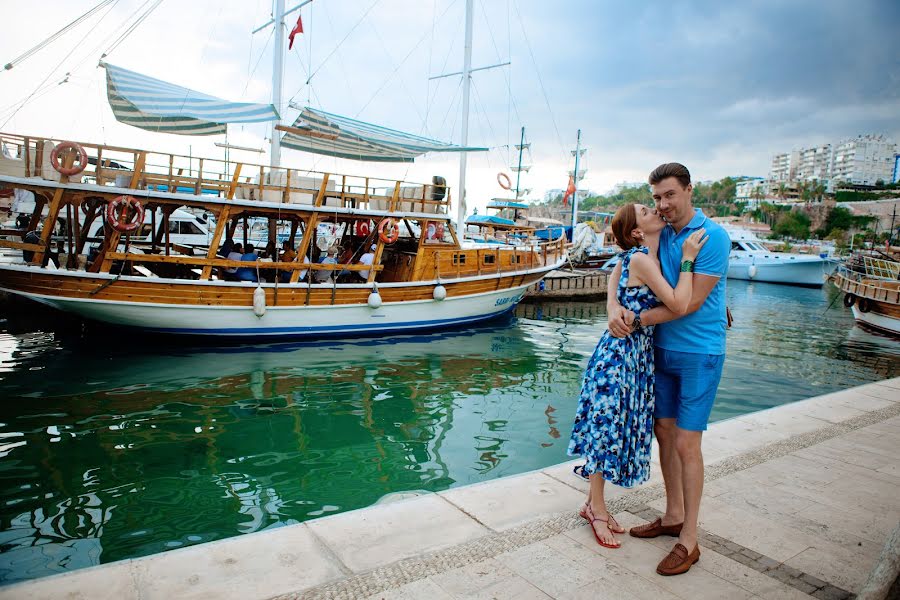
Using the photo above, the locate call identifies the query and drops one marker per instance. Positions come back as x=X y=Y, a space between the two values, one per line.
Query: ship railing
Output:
x=881 y=268
x=453 y=263
x=129 y=168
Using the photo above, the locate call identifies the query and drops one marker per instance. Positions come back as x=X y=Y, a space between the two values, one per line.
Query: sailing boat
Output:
x=393 y=261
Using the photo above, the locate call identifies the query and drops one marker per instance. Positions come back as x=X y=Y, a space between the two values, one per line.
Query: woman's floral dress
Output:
x=614 y=422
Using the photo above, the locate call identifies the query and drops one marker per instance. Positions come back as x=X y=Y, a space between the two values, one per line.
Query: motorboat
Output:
x=750 y=260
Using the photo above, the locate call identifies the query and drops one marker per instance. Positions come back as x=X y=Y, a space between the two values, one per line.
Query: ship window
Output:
x=190 y=228
x=459 y=259
x=489 y=259
x=515 y=260
x=735 y=246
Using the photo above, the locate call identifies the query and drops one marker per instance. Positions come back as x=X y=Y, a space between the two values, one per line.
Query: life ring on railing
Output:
x=849 y=299
x=863 y=305
x=393 y=230
x=362 y=228
x=82 y=159
x=119 y=206
x=504 y=180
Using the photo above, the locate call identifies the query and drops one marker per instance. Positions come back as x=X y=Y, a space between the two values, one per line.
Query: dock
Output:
x=799 y=502
x=569 y=284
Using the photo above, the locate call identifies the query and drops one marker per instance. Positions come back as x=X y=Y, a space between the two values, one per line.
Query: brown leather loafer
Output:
x=655 y=529
x=678 y=561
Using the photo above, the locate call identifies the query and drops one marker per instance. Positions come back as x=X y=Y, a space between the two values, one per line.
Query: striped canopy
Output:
x=333 y=135
x=163 y=107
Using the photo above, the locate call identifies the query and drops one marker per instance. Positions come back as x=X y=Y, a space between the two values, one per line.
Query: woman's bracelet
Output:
x=687 y=266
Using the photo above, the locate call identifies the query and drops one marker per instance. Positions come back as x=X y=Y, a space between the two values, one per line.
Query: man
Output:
x=689 y=354
x=367 y=259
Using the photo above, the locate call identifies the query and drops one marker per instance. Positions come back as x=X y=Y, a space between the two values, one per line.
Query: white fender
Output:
x=751 y=272
x=439 y=293
x=374 y=300
x=259 y=301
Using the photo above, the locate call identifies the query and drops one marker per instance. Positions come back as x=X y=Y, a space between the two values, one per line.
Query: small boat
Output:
x=750 y=260
x=871 y=287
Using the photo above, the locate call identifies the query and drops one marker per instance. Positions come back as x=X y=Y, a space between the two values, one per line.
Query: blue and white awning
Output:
x=164 y=107
x=333 y=135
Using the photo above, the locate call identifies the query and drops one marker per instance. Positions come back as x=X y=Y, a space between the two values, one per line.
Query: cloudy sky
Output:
x=719 y=86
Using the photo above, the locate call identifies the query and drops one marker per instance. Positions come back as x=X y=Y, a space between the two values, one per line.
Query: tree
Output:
x=794 y=224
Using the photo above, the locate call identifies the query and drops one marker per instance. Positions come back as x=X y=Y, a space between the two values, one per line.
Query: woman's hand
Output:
x=691 y=246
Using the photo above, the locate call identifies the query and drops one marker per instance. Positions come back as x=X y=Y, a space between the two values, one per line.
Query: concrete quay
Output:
x=798 y=503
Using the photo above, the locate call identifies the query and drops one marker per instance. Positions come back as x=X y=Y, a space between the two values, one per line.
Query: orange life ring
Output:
x=504 y=180
x=393 y=230
x=82 y=160
x=362 y=228
x=118 y=207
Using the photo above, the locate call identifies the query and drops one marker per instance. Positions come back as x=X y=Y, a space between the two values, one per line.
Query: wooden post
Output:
x=320 y=197
x=27 y=153
x=98 y=171
x=310 y=227
x=88 y=221
x=153 y=236
x=49 y=224
x=286 y=193
x=76 y=231
x=171 y=166
x=138 y=170
x=395 y=197
x=102 y=264
x=70 y=259
x=198 y=187
x=246 y=230
x=221 y=223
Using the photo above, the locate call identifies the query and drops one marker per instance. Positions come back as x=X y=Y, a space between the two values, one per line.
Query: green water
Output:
x=113 y=454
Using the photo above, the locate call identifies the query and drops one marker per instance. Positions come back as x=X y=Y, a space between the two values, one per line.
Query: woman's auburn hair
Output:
x=623 y=224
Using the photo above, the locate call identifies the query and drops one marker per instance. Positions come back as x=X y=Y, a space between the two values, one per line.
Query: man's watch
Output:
x=636 y=324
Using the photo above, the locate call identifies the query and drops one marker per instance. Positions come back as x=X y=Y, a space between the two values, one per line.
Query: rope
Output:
x=27 y=54
x=118 y=41
x=349 y=33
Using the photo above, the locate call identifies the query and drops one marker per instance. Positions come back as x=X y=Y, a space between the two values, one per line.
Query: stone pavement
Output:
x=798 y=503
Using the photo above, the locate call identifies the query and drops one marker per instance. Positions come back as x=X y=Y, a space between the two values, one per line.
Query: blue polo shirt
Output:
x=703 y=331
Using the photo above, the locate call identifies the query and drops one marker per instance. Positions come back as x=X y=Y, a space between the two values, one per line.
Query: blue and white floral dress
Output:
x=614 y=421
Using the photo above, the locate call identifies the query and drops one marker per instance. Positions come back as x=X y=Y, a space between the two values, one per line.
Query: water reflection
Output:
x=116 y=446
x=147 y=450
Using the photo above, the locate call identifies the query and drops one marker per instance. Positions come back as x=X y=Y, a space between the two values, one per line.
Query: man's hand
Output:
x=619 y=320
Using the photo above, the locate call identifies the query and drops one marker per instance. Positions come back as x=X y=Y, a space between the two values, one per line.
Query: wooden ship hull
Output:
x=872 y=292
x=414 y=283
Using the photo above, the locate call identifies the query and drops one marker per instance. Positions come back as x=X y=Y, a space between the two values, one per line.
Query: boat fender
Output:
x=863 y=305
x=77 y=167
x=374 y=300
x=439 y=293
x=504 y=180
x=849 y=299
x=751 y=272
x=259 y=301
x=388 y=230
x=119 y=206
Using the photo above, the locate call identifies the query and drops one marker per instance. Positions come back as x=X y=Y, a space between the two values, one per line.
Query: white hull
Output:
x=294 y=321
x=876 y=321
x=784 y=268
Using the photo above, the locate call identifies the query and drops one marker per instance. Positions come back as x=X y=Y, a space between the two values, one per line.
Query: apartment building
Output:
x=864 y=160
x=814 y=163
x=784 y=166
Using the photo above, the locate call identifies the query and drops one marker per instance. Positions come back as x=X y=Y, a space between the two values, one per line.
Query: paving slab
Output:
x=379 y=535
x=511 y=501
x=105 y=582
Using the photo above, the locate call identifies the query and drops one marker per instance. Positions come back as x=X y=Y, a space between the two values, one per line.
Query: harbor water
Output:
x=113 y=446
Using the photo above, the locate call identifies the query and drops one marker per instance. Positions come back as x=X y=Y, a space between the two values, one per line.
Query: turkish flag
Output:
x=298 y=28
x=569 y=191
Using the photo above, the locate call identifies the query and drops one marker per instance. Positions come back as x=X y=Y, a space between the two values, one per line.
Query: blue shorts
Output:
x=686 y=385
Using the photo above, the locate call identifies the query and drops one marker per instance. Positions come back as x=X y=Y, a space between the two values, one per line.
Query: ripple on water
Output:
x=139 y=449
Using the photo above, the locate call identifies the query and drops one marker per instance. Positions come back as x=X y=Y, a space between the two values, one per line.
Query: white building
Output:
x=784 y=166
x=749 y=190
x=864 y=160
x=814 y=163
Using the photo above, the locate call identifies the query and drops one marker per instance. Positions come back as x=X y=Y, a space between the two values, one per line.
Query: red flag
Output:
x=298 y=28
x=569 y=191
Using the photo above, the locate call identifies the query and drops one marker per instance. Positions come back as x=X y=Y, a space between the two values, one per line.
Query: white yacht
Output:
x=751 y=260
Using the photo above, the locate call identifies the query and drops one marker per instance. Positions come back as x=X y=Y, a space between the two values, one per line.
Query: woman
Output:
x=614 y=421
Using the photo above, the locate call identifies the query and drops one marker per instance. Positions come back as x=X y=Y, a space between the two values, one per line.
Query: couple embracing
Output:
x=657 y=368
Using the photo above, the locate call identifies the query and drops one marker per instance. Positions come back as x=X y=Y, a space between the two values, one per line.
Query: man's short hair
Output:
x=673 y=169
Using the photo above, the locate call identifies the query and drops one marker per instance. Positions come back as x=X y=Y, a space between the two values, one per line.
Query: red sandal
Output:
x=585 y=513
x=600 y=541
